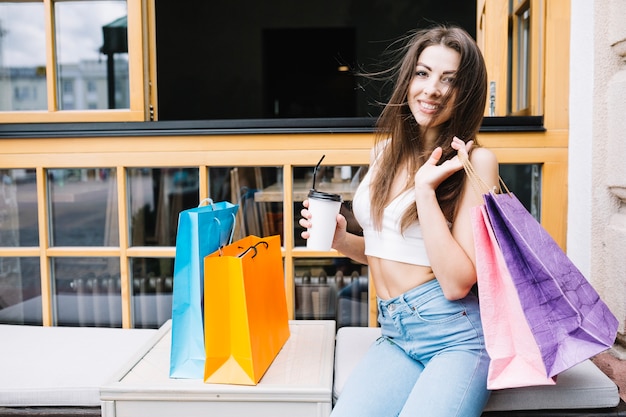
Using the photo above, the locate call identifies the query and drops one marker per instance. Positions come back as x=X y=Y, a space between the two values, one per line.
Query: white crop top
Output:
x=389 y=242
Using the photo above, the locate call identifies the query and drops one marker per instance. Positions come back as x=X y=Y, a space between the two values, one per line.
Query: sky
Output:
x=79 y=31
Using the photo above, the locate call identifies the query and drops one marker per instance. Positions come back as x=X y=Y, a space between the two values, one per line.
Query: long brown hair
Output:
x=396 y=123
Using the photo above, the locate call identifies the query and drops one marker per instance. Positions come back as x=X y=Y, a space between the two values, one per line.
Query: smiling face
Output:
x=434 y=76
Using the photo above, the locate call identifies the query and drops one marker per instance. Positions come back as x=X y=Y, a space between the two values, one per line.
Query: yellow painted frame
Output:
x=493 y=19
x=282 y=150
x=139 y=75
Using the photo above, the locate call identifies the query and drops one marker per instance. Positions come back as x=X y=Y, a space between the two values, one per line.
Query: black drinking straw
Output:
x=315 y=170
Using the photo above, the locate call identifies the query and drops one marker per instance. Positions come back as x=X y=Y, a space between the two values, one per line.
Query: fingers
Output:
x=342 y=223
x=435 y=156
x=305 y=221
x=461 y=146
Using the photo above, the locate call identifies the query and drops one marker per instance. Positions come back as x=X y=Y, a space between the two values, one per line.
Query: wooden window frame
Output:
x=207 y=144
x=498 y=35
x=526 y=58
x=140 y=18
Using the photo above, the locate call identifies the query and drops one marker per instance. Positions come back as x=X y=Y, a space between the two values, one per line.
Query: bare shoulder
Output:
x=485 y=164
x=483 y=157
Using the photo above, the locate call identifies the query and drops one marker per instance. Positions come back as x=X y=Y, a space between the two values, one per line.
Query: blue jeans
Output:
x=430 y=361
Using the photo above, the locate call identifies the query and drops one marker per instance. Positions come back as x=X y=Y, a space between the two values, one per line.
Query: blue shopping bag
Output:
x=201 y=230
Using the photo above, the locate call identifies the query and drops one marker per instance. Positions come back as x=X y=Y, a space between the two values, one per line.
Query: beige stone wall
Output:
x=608 y=214
x=596 y=233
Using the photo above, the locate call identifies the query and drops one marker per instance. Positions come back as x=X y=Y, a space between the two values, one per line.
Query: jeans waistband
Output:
x=411 y=295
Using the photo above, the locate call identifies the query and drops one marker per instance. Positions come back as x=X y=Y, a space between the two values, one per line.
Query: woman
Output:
x=414 y=208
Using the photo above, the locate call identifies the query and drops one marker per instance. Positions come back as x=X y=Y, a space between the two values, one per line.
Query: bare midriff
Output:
x=392 y=278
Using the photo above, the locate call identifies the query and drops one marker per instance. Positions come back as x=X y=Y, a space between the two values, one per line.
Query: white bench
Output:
x=61 y=369
x=582 y=390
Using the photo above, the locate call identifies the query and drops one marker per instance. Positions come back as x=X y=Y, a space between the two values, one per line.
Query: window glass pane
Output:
x=88 y=292
x=22 y=57
x=523 y=47
x=331 y=289
x=157 y=195
x=342 y=180
x=18 y=208
x=259 y=193
x=20 y=291
x=152 y=291
x=83 y=205
x=524 y=180
x=92 y=55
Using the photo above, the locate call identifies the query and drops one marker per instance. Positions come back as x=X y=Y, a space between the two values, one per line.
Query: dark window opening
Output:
x=309 y=72
x=260 y=60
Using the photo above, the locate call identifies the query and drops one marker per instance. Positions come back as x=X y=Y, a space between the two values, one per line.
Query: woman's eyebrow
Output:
x=420 y=64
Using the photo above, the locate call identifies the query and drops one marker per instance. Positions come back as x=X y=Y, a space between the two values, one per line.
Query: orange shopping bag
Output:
x=245 y=310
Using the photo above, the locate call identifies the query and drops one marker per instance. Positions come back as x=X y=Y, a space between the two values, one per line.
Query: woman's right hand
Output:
x=340 y=229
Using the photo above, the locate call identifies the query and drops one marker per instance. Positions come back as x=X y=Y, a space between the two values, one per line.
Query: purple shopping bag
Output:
x=515 y=357
x=568 y=319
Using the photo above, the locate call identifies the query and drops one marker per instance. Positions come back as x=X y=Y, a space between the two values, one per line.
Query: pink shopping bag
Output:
x=515 y=357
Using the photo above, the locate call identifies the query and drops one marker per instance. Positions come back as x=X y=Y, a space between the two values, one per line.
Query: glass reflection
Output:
x=523 y=62
x=88 y=292
x=22 y=57
x=157 y=195
x=92 y=55
x=18 y=208
x=20 y=291
x=331 y=289
x=83 y=205
x=259 y=193
x=524 y=180
x=152 y=291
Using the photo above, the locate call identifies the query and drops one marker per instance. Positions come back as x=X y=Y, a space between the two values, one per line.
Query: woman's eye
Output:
x=448 y=80
x=420 y=73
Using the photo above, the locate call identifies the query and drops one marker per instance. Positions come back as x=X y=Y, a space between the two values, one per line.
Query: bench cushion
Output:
x=63 y=366
x=583 y=386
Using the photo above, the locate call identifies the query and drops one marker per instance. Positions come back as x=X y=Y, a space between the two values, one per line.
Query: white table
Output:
x=297 y=384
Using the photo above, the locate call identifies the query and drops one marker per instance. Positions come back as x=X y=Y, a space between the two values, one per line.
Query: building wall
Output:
x=597 y=174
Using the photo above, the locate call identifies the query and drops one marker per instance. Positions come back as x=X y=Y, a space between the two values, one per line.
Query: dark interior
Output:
x=283 y=59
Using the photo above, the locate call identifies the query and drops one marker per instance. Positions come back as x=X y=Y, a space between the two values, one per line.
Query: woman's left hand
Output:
x=431 y=175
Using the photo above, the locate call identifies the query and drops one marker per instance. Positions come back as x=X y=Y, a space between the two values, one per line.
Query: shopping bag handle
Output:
x=253 y=247
x=232 y=230
x=479 y=185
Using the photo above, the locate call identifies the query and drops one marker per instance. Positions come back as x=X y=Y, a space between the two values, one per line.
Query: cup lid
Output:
x=321 y=195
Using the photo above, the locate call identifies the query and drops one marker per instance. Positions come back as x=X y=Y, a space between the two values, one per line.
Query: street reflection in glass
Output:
x=88 y=292
x=92 y=55
x=83 y=205
x=157 y=195
x=23 y=57
x=18 y=208
x=20 y=291
x=331 y=289
x=259 y=193
x=152 y=280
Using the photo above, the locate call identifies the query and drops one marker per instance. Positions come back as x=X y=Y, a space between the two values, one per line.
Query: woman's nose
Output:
x=432 y=89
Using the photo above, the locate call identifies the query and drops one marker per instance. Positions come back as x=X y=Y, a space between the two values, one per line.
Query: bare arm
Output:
x=451 y=251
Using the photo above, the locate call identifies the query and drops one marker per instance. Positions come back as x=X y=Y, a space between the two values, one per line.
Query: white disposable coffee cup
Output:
x=324 y=208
